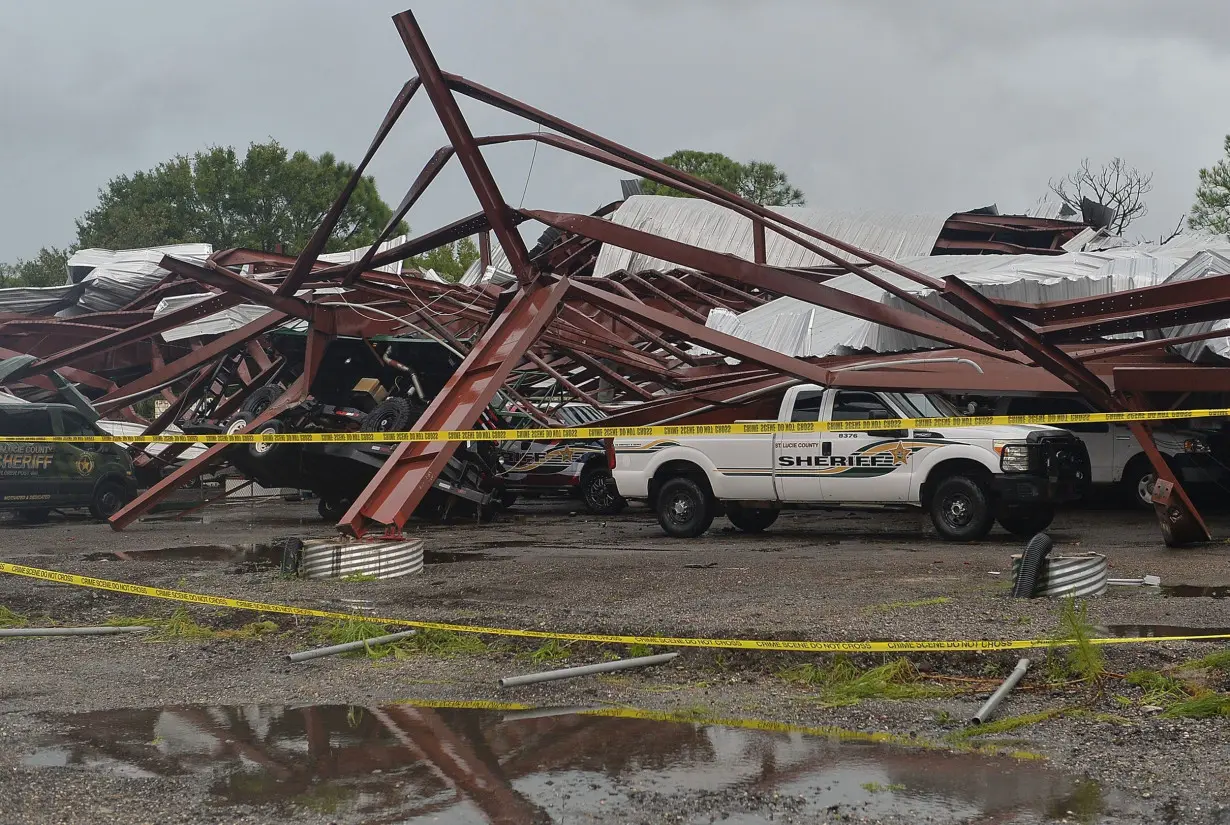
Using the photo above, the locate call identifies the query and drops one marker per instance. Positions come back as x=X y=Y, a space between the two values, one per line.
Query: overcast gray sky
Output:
x=933 y=106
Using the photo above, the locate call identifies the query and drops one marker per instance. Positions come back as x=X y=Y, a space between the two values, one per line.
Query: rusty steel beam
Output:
x=671 y=300
x=611 y=375
x=148 y=383
x=407 y=475
x=191 y=470
x=768 y=278
x=564 y=382
x=494 y=206
x=316 y=245
x=146 y=329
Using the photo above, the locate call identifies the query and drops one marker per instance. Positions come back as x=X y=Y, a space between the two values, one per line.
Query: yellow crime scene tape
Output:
x=674 y=430
x=917 y=646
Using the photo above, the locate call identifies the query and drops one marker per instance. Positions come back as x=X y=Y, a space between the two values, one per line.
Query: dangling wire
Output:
x=529 y=171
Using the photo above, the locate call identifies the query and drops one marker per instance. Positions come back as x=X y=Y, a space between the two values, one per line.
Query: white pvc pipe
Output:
x=988 y=707
x=72 y=631
x=587 y=670
x=316 y=653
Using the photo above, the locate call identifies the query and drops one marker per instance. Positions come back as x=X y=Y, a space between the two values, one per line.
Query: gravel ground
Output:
x=838 y=576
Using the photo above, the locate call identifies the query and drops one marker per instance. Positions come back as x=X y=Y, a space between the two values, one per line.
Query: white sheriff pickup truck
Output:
x=966 y=478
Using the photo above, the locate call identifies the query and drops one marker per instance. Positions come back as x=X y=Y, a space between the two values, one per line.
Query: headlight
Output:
x=1013 y=458
x=1195 y=445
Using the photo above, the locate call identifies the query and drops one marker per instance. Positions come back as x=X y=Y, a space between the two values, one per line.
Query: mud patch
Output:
x=408 y=763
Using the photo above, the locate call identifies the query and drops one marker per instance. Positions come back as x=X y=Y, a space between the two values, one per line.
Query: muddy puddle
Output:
x=1195 y=591
x=245 y=556
x=407 y=763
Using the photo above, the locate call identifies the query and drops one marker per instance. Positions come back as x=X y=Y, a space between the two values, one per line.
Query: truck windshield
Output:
x=917 y=405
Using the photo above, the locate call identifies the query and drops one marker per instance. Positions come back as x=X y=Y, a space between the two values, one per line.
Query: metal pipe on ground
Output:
x=71 y=631
x=331 y=650
x=587 y=670
x=988 y=708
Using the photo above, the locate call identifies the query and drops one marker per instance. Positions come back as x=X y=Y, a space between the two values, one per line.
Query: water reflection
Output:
x=409 y=763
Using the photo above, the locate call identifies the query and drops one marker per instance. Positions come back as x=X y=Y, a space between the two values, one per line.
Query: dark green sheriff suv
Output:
x=36 y=478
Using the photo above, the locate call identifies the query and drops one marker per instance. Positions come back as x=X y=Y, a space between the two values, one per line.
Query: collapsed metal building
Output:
x=622 y=313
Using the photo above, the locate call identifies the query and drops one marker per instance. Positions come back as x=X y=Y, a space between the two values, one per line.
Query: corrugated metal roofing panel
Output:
x=707 y=225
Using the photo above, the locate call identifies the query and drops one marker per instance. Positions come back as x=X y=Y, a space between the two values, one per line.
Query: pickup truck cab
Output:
x=1116 y=458
x=966 y=478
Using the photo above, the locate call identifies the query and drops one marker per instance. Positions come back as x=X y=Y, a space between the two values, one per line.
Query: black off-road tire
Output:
x=259 y=401
x=390 y=415
x=332 y=509
x=1026 y=522
x=684 y=508
x=599 y=493
x=751 y=519
x=961 y=509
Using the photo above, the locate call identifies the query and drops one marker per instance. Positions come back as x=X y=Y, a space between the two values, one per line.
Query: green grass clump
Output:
x=10 y=619
x=1214 y=661
x=1205 y=706
x=918 y=603
x=1008 y=723
x=181 y=625
x=361 y=577
x=1158 y=688
x=425 y=640
x=551 y=650
x=1077 y=658
x=876 y=787
x=841 y=683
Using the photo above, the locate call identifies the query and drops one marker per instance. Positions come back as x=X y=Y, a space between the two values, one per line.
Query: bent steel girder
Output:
x=769 y=278
x=494 y=206
x=316 y=245
x=408 y=474
x=757 y=215
x=191 y=470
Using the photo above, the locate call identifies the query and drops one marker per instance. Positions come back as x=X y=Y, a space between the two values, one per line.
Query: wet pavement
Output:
x=1155 y=631
x=408 y=763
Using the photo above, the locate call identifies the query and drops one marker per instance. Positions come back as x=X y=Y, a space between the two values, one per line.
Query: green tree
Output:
x=449 y=261
x=266 y=197
x=755 y=180
x=48 y=268
x=1212 y=208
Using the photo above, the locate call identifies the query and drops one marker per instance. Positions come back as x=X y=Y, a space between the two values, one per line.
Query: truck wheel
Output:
x=960 y=510
x=390 y=415
x=1136 y=486
x=599 y=493
x=260 y=400
x=109 y=498
x=332 y=509
x=751 y=519
x=684 y=510
x=268 y=450
x=238 y=423
x=1027 y=522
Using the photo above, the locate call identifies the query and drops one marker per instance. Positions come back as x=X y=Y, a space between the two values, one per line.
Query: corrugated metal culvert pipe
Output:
x=1086 y=574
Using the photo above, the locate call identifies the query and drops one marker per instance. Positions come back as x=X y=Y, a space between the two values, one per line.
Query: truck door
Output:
x=796 y=456
x=27 y=474
x=77 y=465
x=865 y=466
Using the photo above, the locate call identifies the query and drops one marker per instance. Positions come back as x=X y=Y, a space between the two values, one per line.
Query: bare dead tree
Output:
x=1115 y=184
x=1178 y=228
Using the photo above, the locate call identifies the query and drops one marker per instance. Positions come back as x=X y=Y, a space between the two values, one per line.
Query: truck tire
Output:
x=961 y=510
x=390 y=415
x=1026 y=522
x=332 y=509
x=1136 y=486
x=267 y=450
x=110 y=496
x=599 y=493
x=260 y=400
x=238 y=423
x=684 y=509
x=751 y=519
